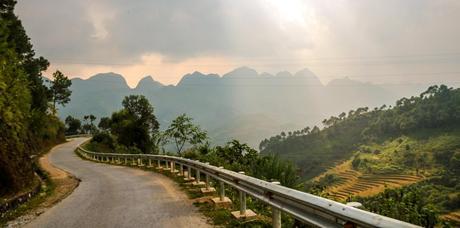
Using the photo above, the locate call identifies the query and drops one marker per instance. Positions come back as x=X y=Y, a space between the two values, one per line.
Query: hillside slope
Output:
x=401 y=161
x=436 y=110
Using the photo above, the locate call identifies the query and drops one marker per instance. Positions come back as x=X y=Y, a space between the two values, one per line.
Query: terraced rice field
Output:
x=354 y=183
x=453 y=216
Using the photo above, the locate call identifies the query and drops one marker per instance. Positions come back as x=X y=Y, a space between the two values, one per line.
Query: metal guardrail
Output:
x=308 y=208
x=77 y=136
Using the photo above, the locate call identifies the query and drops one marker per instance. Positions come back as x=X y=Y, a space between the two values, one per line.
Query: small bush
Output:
x=104 y=138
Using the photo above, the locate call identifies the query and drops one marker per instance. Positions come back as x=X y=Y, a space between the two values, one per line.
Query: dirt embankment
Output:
x=63 y=184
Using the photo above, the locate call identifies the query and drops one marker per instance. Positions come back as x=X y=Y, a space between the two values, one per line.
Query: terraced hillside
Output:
x=453 y=217
x=349 y=182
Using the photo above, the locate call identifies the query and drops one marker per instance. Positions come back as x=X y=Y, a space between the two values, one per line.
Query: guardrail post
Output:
x=221 y=199
x=166 y=165
x=158 y=164
x=126 y=160
x=222 y=191
x=244 y=212
x=181 y=172
x=198 y=181
x=207 y=188
x=276 y=213
x=173 y=167
x=150 y=162
x=242 y=203
x=189 y=174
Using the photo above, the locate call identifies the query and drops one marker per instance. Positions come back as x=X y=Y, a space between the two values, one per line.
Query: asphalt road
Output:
x=115 y=196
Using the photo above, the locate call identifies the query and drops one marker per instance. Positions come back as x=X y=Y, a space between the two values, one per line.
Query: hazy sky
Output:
x=393 y=41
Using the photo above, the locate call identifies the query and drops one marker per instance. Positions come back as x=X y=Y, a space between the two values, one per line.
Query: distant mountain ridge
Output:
x=216 y=102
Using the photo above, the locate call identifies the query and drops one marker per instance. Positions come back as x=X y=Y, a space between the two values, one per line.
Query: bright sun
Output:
x=289 y=11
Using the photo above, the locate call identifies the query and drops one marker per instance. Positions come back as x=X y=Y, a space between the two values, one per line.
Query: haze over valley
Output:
x=242 y=104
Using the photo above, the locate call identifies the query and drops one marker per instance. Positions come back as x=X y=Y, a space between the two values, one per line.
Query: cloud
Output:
x=120 y=30
x=86 y=36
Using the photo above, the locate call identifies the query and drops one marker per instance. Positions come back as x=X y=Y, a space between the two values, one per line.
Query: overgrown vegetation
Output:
x=420 y=203
x=27 y=106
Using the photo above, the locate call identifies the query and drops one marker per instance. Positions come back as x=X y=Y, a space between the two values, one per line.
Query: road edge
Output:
x=57 y=185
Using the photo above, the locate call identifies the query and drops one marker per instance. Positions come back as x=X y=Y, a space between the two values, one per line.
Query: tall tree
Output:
x=135 y=124
x=183 y=131
x=60 y=92
x=104 y=123
x=24 y=100
x=73 y=125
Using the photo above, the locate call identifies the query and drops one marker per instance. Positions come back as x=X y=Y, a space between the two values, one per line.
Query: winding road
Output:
x=116 y=196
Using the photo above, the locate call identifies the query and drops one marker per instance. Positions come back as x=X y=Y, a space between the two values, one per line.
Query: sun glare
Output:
x=289 y=11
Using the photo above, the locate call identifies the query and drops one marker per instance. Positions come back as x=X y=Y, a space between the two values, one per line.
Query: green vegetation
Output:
x=25 y=123
x=435 y=110
x=420 y=203
x=59 y=90
x=134 y=130
x=420 y=153
x=391 y=147
x=73 y=126
x=182 y=131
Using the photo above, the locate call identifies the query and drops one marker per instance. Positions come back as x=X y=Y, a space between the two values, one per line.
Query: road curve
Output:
x=115 y=196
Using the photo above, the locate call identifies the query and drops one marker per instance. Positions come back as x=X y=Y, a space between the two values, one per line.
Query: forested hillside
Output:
x=435 y=112
x=405 y=158
x=27 y=125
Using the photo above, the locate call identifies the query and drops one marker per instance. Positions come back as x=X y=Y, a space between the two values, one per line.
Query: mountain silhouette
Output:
x=241 y=104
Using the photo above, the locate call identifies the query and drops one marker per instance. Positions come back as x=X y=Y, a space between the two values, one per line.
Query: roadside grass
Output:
x=46 y=190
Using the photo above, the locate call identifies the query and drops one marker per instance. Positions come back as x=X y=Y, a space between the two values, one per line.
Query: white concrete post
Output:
x=126 y=160
x=173 y=166
x=242 y=203
x=276 y=213
x=198 y=176
x=242 y=200
x=207 y=181
x=189 y=173
x=181 y=169
x=167 y=164
x=150 y=162
x=222 y=191
x=158 y=163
